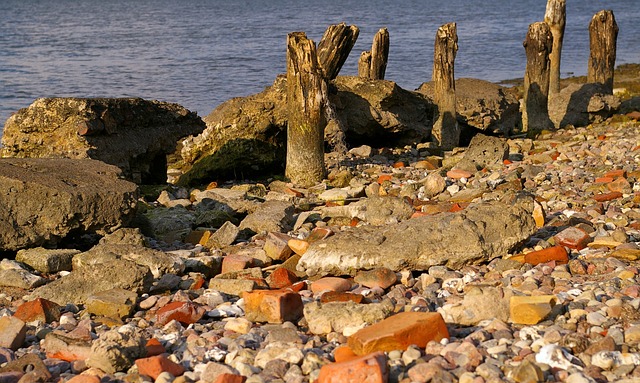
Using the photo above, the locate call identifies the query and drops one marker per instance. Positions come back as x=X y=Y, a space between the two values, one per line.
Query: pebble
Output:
x=578 y=274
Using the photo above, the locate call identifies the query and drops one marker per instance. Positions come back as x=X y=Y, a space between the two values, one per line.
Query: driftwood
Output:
x=537 y=45
x=307 y=97
x=555 y=17
x=446 y=132
x=603 y=33
x=373 y=63
x=334 y=48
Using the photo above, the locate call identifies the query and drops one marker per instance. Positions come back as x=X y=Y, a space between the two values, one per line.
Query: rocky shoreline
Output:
x=512 y=260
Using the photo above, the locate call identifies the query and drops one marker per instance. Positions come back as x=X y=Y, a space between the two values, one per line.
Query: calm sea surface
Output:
x=200 y=53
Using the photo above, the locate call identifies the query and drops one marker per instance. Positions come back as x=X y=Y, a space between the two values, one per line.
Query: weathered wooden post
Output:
x=307 y=98
x=603 y=34
x=335 y=46
x=446 y=132
x=537 y=45
x=555 y=17
x=373 y=63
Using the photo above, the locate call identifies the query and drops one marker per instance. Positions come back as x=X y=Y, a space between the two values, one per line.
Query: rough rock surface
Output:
x=478 y=234
x=116 y=350
x=81 y=283
x=247 y=135
x=581 y=105
x=44 y=200
x=482 y=105
x=484 y=152
x=134 y=134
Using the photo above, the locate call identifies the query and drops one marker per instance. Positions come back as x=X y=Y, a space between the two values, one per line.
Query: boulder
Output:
x=45 y=200
x=484 y=152
x=248 y=135
x=482 y=105
x=581 y=105
x=83 y=282
x=380 y=113
x=476 y=234
x=133 y=134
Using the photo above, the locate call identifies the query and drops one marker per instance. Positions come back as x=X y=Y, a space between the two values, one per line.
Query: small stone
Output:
x=224 y=236
x=604 y=241
x=434 y=184
x=364 y=151
x=399 y=332
x=344 y=317
x=596 y=318
x=183 y=312
x=273 y=306
x=538 y=214
x=458 y=173
x=48 y=261
x=334 y=195
x=13 y=332
x=298 y=246
x=423 y=372
x=213 y=371
x=38 y=309
x=114 y=303
x=232 y=286
x=239 y=325
x=531 y=309
x=381 y=277
x=155 y=365
x=330 y=284
x=71 y=346
x=84 y=379
x=527 y=372
x=371 y=368
x=236 y=262
x=278 y=350
x=626 y=254
x=276 y=246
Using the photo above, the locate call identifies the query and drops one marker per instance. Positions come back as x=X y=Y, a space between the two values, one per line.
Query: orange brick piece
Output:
x=273 y=306
x=607 y=196
x=230 y=378
x=38 y=310
x=573 y=238
x=281 y=278
x=155 y=365
x=370 y=368
x=343 y=354
x=399 y=332
x=84 y=379
x=555 y=253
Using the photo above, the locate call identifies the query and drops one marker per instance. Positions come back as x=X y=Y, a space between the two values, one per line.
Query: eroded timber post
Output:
x=373 y=63
x=603 y=34
x=446 y=132
x=555 y=17
x=537 y=45
x=307 y=98
x=335 y=46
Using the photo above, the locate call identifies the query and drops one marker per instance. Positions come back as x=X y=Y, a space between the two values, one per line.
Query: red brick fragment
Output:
x=184 y=312
x=616 y=173
x=38 y=309
x=384 y=177
x=230 y=378
x=607 y=196
x=330 y=284
x=344 y=353
x=573 y=238
x=555 y=253
x=236 y=262
x=155 y=365
x=458 y=173
x=273 y=306
x=154 y=347
x=370 y=368
x=399 y=332
x=281 y=278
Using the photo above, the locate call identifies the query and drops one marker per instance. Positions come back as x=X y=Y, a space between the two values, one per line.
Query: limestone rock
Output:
x=341 y=316
x=581 y=105
x=44 y=200
x=478 y=233
x=78 y=285
x=246 y=136
x=158 y=262
x=133 y=134
x=484 y=152
x=47 y=260
x=168 y=224
x=276 y=216
x=479 y=303
x=482 y=105
x=117 y=349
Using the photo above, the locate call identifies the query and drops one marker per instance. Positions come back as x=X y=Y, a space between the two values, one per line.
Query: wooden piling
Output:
x=373 y=63
x=555 y=17
x=446 y=132
x=307 y=98
x=537 y=45
x=603 y=34
x=334 y=48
